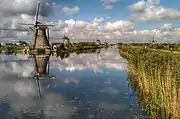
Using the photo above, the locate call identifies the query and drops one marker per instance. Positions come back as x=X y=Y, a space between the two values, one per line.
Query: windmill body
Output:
x=41 y=39
x=41 y=34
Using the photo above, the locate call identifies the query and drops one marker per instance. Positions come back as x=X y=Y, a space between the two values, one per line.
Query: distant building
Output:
x=18 y=43
x=22 y=43
x=2 y=44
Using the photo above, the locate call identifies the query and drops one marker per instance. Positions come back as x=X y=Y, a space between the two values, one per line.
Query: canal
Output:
x=78 y=86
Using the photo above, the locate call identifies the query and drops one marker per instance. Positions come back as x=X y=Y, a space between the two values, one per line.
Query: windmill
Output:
x=66 y=41
x=153 y=40
x=98 y=42
x=41 y=31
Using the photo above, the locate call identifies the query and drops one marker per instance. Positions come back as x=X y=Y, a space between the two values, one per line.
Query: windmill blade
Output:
x=8 y=29
x=37 y=13
x=36 y=24
x=5 y=29
x=48 y=33
x=25 y=24
x=32 y=28
x=46 y=25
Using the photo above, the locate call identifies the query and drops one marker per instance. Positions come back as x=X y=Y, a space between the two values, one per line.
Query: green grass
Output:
x=176 y=47
x=12 y=48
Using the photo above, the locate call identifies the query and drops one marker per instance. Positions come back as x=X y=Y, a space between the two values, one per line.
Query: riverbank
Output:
x=175 y=47
x=74 y=47
x=155 y=75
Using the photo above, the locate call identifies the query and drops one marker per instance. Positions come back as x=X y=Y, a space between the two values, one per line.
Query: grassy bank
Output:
x=11 y=49
x=81 y=47
x=176 y=47
x=156 y=77
x=74 y=47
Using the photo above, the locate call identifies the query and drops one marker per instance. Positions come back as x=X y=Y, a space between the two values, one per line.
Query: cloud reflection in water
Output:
x=70 y=95
x=109 y=59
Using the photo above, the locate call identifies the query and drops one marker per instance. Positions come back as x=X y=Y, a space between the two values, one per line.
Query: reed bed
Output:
x=176 y=47
x=156 y=77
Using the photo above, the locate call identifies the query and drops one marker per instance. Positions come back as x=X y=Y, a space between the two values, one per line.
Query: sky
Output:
x=86 y=20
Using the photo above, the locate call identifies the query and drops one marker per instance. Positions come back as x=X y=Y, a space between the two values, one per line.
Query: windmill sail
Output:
x=41 y=35
x=37 y=13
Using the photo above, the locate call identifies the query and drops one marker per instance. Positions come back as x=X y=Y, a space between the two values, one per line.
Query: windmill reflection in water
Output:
x=41 y=70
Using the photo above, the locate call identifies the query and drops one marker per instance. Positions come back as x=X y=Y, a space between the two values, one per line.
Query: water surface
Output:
x=84 y=86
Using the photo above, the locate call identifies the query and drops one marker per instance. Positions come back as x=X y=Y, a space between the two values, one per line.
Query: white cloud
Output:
x=139 y=6
x=144 y=12
x=118 y=26
x=15 y=7
x=79 y=30
x=108 y=4
x=70 y=11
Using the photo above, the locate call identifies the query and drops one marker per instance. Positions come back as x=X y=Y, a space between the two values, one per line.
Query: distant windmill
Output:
x=153 y=39
x=41 y=38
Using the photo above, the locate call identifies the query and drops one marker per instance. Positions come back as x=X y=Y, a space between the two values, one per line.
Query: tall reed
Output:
x=156 y=76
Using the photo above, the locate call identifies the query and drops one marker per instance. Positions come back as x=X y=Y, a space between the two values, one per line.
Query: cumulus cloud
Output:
x=87 y=31
x=118 y=26
x=79 y=30
x=144 y=12
x=15 y=7
x=21 y=11
x=108 y=4
x=71 y=11
x=139 y=6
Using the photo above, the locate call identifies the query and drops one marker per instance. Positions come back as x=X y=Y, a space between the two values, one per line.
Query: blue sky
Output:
x=120 y=11
x=92 y=8
x=82 y=19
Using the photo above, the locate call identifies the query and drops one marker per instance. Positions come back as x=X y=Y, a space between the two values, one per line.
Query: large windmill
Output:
x=41 y=33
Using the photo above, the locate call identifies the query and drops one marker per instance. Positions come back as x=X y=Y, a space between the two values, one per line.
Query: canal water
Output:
x=78 y=86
